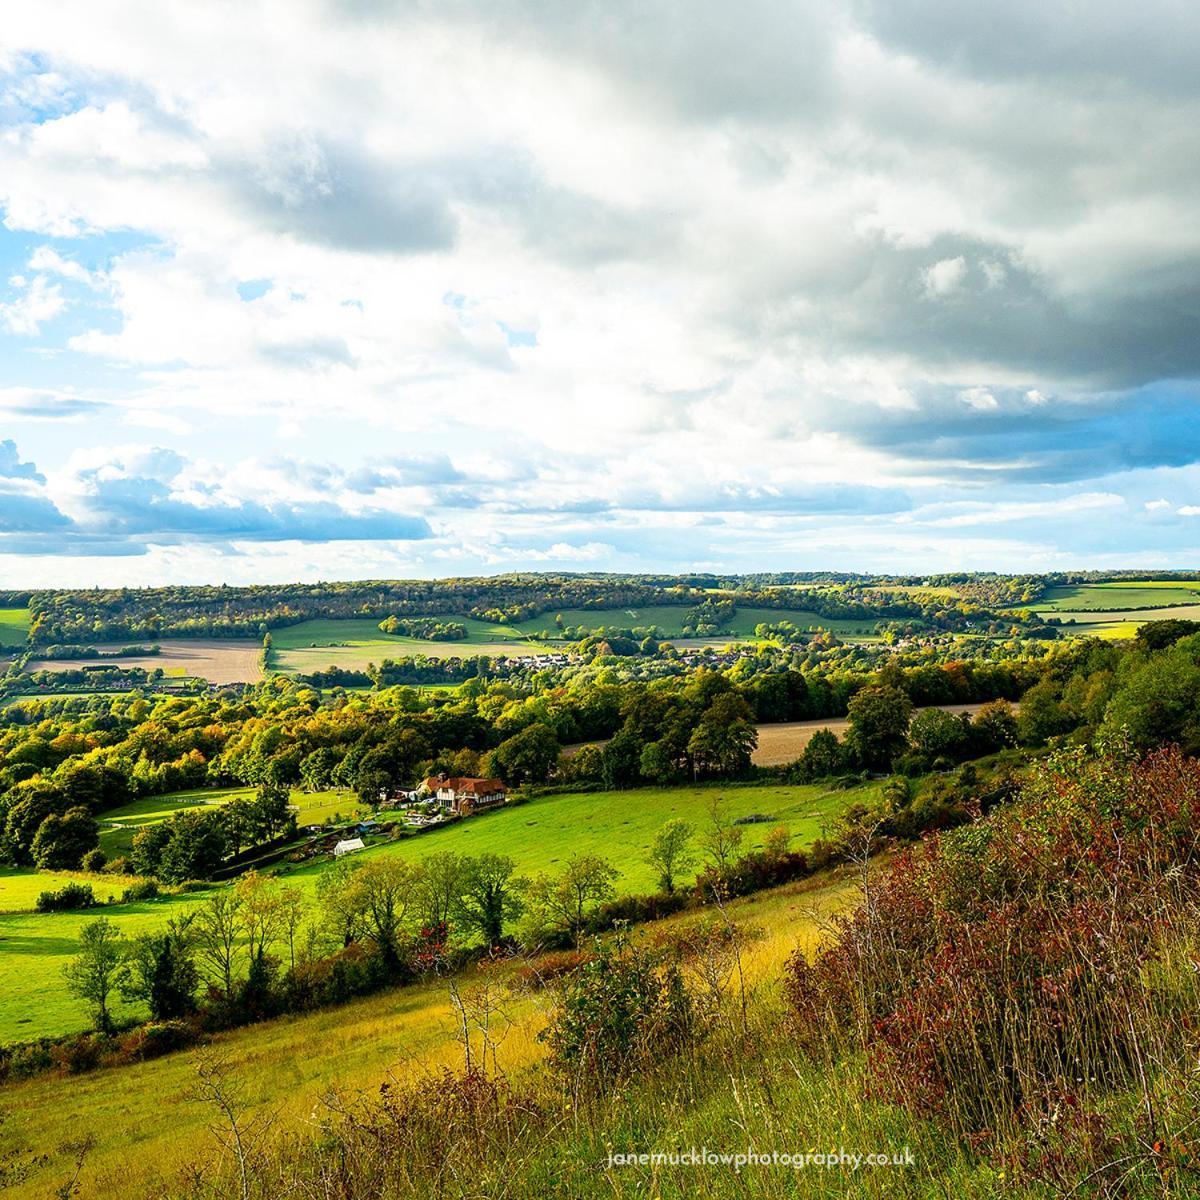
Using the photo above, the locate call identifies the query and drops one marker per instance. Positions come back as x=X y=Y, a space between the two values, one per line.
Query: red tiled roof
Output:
x=465 y=784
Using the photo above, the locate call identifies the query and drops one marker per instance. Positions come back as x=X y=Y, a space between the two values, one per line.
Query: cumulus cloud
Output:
x=37 y=301
x=601 y=268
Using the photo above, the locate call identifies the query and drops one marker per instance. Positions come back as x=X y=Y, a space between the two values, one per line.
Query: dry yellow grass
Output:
x=146 y=1125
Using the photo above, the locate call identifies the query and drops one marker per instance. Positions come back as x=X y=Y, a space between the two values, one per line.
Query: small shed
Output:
x=348 y=847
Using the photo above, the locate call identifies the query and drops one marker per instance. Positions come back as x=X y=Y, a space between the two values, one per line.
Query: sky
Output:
x=320 y=289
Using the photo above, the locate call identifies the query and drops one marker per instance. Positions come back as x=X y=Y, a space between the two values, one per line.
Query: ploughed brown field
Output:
x=219 y=660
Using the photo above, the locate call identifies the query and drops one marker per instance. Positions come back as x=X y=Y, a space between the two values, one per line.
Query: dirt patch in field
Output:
x=219 y=660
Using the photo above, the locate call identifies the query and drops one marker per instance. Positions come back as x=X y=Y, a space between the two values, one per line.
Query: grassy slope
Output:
x=118 y=826
x=539 y=835
x=14 y=626
x=542 y=835
x=1093 y=597
x=146 y=1124
x=20 y=888
x=355 y=642
x=34 y=947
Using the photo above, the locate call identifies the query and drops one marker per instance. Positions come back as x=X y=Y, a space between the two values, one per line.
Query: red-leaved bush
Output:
x=1029 y=962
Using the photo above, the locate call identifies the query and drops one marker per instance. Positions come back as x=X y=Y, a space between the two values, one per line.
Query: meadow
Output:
x=34 y=948
x=118 y=826
x=356 y=642
x=20 y=888
x=1108 y=597
x=14 y=626
x=542 y=834
x=539 y=836
x=147 y=1125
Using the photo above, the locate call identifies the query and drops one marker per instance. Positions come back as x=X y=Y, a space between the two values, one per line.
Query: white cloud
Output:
x=945 y=276
x=784 y=261
x=38 y=301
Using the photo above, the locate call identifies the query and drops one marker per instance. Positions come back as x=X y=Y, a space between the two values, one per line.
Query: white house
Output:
x=348 y=847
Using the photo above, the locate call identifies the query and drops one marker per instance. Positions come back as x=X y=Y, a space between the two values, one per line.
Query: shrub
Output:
x=94 y=860
x=69 y=897
x=29 y=1059
x=355 y=970
x=547 y=968
x=144 y=889
x=156 y=1039
x=416 y=1135
x=75 y=1055
x=615 y=1011
x=634 y=910
x=118 y=866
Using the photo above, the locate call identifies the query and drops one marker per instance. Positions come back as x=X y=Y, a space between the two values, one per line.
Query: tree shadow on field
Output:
x=19 y=943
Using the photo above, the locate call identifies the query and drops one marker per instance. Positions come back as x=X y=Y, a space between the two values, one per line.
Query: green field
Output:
x=20 y=888
x=1107 y=597
x=745 y=619
x=314 y=808
x=14 y=626
x=353 y=643
x=9 y=701
x=117 y=827
x=542 y=834
x=539 y=836
x=1108 y=624
x=34 y=947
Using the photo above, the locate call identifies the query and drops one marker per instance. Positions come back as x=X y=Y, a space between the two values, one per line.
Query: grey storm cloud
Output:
x=699 y=60
x=1004 y=435
x=1025 y=39
x=333 y=193
x=996 y=313
x=22 y=512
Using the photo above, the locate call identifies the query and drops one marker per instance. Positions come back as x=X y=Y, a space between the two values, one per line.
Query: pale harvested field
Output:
x=219 y=660
x=784 y=742
x=779 y=744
